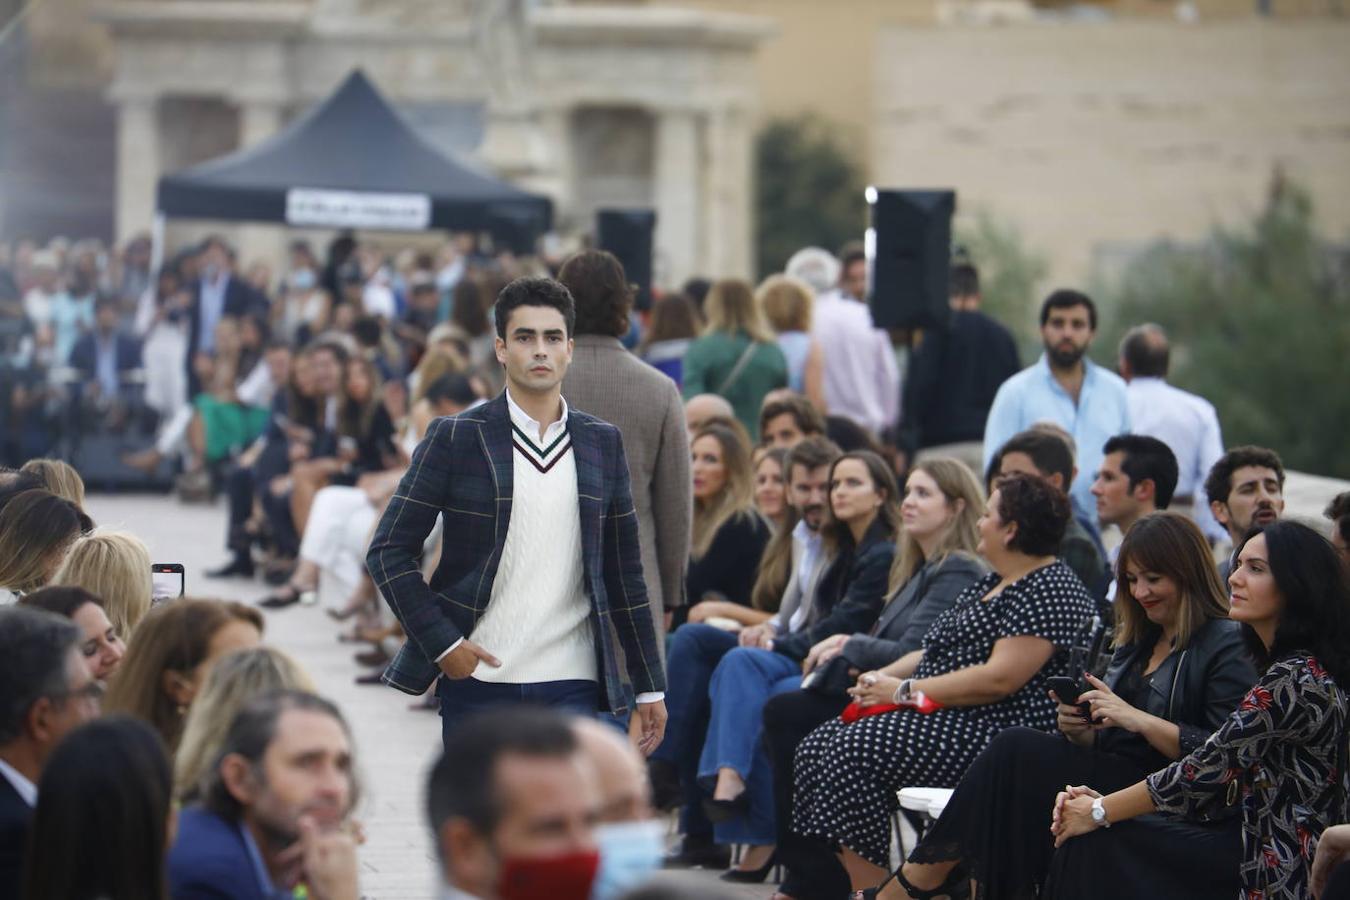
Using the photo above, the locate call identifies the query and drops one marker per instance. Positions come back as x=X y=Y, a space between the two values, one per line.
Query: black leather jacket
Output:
x=1197 y=687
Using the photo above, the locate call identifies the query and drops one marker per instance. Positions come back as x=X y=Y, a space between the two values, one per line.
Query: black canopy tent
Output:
x=353 y=162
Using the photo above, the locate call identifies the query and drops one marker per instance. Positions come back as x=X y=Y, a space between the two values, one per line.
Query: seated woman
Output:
x=936 y=560
x=170 y=656
x=115 y=565
x=729 y=535
x=983 y=666
x=1179 y=669
x=1241 y=814
x=102 y=647
x=771 y=489
x=37 y=528
x=859 y=536
x=59 y=477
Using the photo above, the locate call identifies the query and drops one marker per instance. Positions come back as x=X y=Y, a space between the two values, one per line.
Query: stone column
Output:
x=138 y=162
x=678 y=191
x=727 y=214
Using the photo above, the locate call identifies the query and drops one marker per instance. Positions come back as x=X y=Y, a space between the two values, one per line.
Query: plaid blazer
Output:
x=464 y=469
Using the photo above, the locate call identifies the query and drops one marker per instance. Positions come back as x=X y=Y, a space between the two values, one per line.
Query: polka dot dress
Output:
x=847 y=775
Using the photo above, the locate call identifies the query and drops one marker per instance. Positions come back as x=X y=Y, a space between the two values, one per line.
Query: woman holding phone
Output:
x=1242 y=813
x=1180 y=667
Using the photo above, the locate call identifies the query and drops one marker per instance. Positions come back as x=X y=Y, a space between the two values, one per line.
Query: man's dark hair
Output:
x=251 y=733
x=696 y=289
x=1338 y=511
x=463 y=783
x=963 y=281
x=1219 y=481
x=804 y=413
x=1068 y=299
x=1040 y=510
x=453 y=387
x=811 y=453
x=101 y=828
x=849 y=254
x=1048 y=453
x=1146 y=458
x=535 y=291
x=1145 y=350
x=327 y=345
x=367 y=330
x=849 y=436
x=34 y=645
x=64 y=600
x=601 y=291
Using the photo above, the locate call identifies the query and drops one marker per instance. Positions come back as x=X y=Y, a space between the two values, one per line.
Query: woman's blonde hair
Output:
x=964 y=496
x=60 y=478
x=737 y=495
x=730 y=307
x=775 y=566
x=436 y=361
x=234 y=680
x=115 y=565
x=786 y=302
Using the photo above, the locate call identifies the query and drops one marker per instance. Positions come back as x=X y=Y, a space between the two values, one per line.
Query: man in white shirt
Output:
x=512 y=804
x=1183 y=421
x=46 y=690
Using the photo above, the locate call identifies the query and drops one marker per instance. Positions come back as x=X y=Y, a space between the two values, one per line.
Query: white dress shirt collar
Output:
x=522 y=420
x=26 y=790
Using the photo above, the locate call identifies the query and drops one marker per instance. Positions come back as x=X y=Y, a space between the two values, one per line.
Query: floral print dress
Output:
x=1281 y=758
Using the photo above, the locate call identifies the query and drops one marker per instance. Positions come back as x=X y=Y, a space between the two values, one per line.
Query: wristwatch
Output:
x=904 y=690
x=1099 y=814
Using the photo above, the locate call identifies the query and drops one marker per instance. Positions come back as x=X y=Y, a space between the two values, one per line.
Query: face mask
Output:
x=629 y=853
x=302 y=279
x=565 y=877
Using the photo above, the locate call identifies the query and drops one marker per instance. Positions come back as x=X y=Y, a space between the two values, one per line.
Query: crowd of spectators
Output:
x=866 y=576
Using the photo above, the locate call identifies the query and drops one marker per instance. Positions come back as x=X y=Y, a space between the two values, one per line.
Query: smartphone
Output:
x=1067 y=690
x=166 y=580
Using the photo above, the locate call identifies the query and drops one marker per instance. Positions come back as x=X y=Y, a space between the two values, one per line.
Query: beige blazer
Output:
x=607 y=381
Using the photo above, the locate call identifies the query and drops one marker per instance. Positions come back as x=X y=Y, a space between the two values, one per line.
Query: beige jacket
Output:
x=607 y=381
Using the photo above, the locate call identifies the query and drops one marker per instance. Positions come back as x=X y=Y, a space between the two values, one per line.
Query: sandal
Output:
x=956 y=886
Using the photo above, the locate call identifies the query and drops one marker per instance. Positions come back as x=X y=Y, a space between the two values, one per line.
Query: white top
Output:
x=1190 y=427
x=811 y=543
x=26 y=790
x=538 y=619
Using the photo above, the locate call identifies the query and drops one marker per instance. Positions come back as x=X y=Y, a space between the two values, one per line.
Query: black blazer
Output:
x=16 y=817
x=1199 y=687
x=849 y=596
x=905 y=618
x=240 y=299
x=84 y=355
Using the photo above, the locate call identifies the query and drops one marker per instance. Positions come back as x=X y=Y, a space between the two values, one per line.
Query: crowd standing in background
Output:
x=732 y=556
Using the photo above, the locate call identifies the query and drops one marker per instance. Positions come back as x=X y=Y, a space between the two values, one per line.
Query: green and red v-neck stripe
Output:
x=542 y=458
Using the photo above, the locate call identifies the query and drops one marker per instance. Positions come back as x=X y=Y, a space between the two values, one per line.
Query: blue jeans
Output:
x=463 y=697
x=742 y=683
x=695 y=651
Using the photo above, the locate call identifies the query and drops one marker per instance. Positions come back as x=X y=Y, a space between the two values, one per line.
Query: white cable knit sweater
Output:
x=538 y=620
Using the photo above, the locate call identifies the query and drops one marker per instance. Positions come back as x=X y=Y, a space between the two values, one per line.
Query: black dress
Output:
x=732 y=561
x=998 y=821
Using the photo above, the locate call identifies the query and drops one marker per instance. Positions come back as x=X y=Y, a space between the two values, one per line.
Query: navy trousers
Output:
x=461 y=698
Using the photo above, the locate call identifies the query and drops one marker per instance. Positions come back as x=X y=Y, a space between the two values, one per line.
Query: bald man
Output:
x=631 y=842
x=702 y=409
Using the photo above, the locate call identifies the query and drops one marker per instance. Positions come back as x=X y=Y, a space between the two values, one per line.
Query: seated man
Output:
x=1138 y=476
x=786 y=419
x=1245 y=488
x=1043 y=453
x=275 y=812
x=46 y=690
x=512 y=804
x=102 y=358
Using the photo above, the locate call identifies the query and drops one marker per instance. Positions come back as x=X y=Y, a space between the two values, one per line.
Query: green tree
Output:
x=1259 y=319
x=808 y=190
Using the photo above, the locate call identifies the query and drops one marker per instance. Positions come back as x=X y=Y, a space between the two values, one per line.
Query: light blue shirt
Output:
x=105 y=363
x=1033 y=395
x=212 y=309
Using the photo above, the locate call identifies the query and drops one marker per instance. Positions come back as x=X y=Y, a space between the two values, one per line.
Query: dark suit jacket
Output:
x=240 y=300
x=84 y=355
x=209 y=860
x=849 y=596
x=464 y=469
x=906 y=617
x=16 y=817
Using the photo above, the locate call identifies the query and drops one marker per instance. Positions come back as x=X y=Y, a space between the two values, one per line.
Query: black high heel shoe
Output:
x=721 y=811
x=751 y=876
x=956 y=886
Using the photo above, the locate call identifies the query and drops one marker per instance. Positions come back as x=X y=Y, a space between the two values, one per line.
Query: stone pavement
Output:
x=395 y=746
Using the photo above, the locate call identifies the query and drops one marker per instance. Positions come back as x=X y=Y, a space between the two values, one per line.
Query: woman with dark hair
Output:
x=171 y=654
x=102 y=646
x=858 y=535
x=36 y=529
x=675 y=322
x=1179 y=668
x=1242 y=813
x=101 y=828
x=982 y=669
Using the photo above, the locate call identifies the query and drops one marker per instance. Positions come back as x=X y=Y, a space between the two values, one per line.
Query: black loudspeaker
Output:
x=627 y=233
x=908 y=257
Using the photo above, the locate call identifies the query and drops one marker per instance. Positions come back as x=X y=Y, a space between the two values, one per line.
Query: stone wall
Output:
x=1094 y=137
